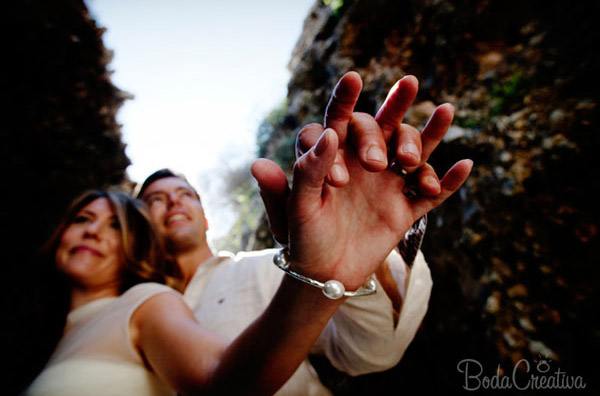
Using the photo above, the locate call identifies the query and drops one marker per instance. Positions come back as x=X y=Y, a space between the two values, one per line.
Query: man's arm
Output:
x=393 y=277
x=366 y=334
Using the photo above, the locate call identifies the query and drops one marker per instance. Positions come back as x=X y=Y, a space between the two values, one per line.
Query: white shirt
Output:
x=96 y=356
x=228 y=292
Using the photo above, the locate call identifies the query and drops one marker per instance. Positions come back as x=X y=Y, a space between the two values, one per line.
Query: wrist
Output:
x=331 y=288
x=310 y=297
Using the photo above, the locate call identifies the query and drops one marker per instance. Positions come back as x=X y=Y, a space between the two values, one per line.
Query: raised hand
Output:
x=404 y=143
x=345 y=228
x=406 y=147
x=411 y=153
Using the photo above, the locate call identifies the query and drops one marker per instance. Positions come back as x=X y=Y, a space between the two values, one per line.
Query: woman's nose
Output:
x=93 y=229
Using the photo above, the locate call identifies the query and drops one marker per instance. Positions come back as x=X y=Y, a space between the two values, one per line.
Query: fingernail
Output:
x=410 y=149
x=432 y=182
x=374 y=153
x=322 y=143
x=337 y=172
x=409 y=77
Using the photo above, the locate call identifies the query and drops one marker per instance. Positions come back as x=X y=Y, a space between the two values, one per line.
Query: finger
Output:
x=311 y=169
x=368 y=138
x=338 y=175
x=408 y=147
x=274 y=191
x=341 y=104
x=436 y=128
x=399 y=99
x=450 y=183
x=307 y=137
x=428 y=183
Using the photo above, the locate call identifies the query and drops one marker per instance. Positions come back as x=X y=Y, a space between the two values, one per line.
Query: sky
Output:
x=203 y=75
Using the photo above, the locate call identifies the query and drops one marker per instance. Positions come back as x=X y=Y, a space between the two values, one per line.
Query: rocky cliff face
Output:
x=514 y=256
x=59 y=137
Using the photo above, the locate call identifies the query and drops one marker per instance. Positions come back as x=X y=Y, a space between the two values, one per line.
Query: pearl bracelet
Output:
x=332 y=289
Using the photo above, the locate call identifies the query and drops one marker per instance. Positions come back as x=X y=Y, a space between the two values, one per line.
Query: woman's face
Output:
x=90 y=252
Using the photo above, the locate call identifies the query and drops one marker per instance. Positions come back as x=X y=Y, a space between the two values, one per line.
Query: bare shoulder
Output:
x=159 y=317
x=161 y=307
x=171 y=343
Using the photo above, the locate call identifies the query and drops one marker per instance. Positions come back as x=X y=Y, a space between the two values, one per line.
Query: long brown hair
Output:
x=145 y=258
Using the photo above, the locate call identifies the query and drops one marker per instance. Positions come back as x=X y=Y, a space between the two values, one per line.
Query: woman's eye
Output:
x=115 y=224
x=80 y=219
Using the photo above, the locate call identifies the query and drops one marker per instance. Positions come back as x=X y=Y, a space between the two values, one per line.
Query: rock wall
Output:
x=59 y=137
x=515 y=254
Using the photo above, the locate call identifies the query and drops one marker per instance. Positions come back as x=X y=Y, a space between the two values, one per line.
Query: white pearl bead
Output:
x=281 y=259
x=371 y=284
x=333 y=289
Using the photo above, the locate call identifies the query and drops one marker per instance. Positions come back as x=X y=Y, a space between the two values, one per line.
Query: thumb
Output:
x=274 y=192
x=311 y=169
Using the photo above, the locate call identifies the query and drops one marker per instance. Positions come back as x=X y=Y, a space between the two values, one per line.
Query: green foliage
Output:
x=269 y=126
x=284 y=153
x=334 y=5
x=248 y=207
x=507 y=94
x=468 y=122
x=274 y=138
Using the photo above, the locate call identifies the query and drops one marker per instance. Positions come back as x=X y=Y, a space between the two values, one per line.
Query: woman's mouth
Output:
x=83 y=249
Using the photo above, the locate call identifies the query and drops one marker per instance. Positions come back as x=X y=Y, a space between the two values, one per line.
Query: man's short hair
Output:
x=162 y=174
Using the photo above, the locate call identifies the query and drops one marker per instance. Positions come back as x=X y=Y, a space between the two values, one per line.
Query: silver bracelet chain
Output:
x=332 y=289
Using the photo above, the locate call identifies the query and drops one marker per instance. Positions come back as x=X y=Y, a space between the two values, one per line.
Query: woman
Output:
x=128 y=343
x=125 y=335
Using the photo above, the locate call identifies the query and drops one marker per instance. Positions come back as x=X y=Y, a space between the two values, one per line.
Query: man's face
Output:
x=176 y=212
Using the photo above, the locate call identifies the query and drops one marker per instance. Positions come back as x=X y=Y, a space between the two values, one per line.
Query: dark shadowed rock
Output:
x=514 y=255
x=59 y=137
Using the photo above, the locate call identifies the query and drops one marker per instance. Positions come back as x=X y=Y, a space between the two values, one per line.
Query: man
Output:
x=228 y=292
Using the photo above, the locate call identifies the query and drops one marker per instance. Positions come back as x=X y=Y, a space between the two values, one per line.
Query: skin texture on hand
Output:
x=346 y=210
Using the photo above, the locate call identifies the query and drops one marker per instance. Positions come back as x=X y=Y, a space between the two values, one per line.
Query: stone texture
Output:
x=59 y=137
x=514 y=255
